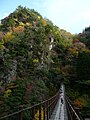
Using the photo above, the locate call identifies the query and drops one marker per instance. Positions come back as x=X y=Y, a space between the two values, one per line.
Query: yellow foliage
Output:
x=1 y=83
x=35 y=60
x=18 y=29
x=44 y=22
x=8 y=36
x=7 y=93
x=29 y=24
x=39 y=17
x=2 y=46
x=37 y=115
x=52 y=61
x=1 y=42
x=21 y=24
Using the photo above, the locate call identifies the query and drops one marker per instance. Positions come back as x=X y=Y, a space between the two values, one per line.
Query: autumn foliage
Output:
x=18 y=29
x=80 y=102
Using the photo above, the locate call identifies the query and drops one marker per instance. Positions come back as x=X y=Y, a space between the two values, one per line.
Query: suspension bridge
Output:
x=58 y=107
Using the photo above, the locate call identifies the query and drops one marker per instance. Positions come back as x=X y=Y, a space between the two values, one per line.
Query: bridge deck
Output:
x=60 y=112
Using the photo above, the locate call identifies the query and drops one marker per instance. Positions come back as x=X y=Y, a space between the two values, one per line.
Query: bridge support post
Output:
x=21 y=114
x=47 y=111
x=33 y=112
x=49 y=108
x=44 y=111
x=40 y=112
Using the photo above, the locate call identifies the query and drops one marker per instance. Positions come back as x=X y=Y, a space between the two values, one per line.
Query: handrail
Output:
x=43 y=110
x=47 y=106
x=71 y=111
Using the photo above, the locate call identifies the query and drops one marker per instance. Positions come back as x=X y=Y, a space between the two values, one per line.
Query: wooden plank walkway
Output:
x=60 y=111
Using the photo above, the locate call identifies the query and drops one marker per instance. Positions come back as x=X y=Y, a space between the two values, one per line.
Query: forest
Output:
x=35 y=56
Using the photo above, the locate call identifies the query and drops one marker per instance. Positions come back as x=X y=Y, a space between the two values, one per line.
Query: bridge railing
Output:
x=73 y=114
x=40 y=111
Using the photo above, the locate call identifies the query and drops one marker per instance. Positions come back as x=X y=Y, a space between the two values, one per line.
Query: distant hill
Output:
x=85 y=37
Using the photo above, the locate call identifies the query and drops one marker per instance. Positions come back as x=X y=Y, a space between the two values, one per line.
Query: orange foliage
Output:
x=1 y=40
x=1 y=35
x=18 y=29
x=73 y=49
x=29 y=87
x=80 y=102
x=76 y=41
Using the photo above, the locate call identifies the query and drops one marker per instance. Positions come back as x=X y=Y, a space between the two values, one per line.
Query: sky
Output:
x=71 y=15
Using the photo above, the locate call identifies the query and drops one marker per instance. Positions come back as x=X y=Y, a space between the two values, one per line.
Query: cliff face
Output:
x=28 y=42
x=28 y=54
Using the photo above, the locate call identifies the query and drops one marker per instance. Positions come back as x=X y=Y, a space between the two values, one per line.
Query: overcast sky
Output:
x=71 y=15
